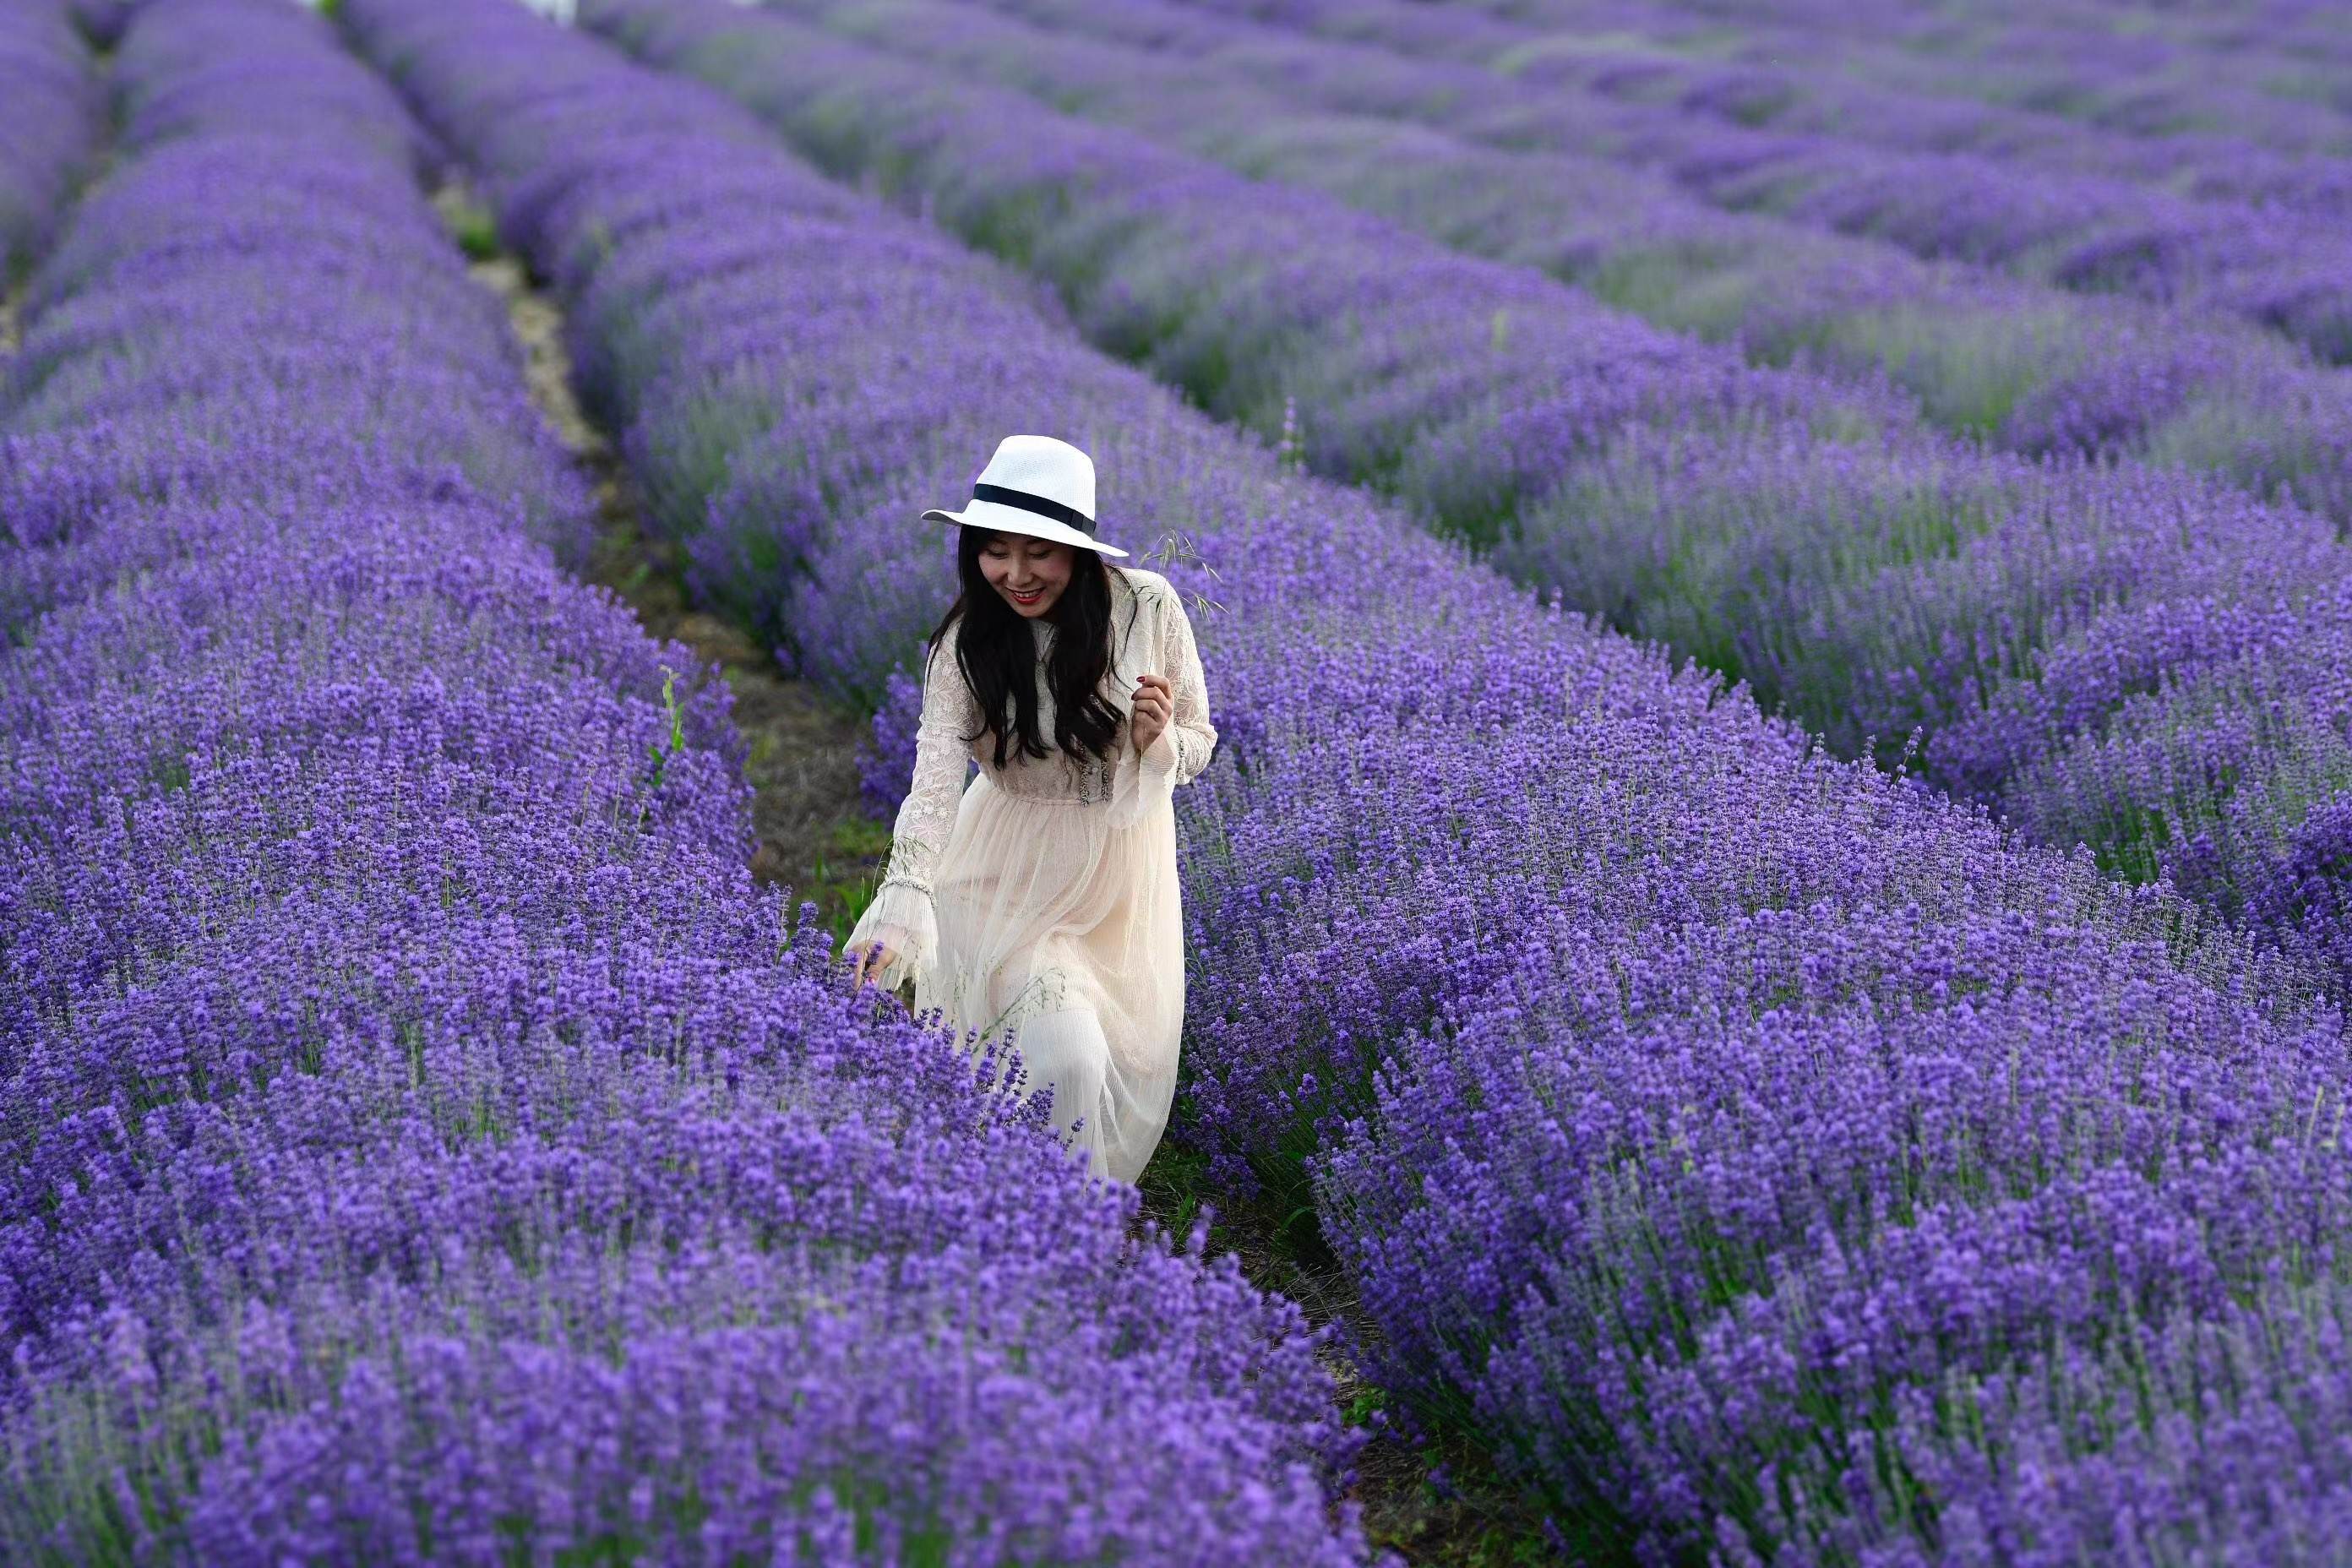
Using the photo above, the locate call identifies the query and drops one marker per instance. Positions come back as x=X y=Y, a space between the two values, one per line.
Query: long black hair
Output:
x=998 y=655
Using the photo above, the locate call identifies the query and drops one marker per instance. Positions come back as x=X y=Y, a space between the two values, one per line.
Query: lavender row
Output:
x=2284 y=272
x=1398 y=765
x=422 y=1141
x=49 y=118
x=2035 y=369
x=2058 y=94
x=2209 y=144
x=2270 y=79
x=1877 y=584
x=2029 y=367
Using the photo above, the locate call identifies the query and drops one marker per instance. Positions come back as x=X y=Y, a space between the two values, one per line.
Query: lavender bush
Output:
x=2214 y=144
x=50 y=115
x=1870 y=1235
x=2267 y=712
x=1778 y=1020
x=2283 y=269
x=103 y=20
x=2208 y=110
x=2148 y=83
x=422 y=1141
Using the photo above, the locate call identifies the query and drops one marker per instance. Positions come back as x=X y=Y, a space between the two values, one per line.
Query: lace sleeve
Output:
x=1184 y=747
x=901 y=917
x=1181 y=750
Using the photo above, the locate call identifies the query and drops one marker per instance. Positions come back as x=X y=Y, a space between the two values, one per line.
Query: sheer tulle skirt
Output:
x=1062 y=934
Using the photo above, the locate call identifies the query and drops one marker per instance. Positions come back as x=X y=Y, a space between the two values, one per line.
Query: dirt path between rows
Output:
x=814 y=833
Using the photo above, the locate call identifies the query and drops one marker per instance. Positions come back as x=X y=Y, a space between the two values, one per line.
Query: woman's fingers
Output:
x=873 y=956
x=1155 y=704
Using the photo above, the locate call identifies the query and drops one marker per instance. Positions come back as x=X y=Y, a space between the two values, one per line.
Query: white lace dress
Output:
x=1041 y=905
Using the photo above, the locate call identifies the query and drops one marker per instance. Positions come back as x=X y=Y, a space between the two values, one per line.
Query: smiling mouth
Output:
x=1028 y=598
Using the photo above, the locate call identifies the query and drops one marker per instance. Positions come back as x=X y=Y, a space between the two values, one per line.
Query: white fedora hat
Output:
x=1034 y=484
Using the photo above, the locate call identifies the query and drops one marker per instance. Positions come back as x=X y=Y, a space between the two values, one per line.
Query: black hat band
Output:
x=1043 y=506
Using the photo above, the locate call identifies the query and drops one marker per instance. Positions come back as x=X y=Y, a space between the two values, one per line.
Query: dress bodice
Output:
x=1060 y=776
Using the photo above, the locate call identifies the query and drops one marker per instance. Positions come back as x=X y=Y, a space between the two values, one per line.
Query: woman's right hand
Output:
x=877 y=956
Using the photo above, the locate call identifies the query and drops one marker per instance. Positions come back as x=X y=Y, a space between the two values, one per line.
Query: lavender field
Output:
x=1767 y=936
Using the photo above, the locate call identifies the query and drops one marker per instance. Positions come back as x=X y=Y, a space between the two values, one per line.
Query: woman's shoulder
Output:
x=1155 y=604
x=1147 y=585
x=943 y=651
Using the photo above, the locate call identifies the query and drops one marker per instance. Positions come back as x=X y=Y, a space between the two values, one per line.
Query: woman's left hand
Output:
x=1155 y=704
x=873 y=958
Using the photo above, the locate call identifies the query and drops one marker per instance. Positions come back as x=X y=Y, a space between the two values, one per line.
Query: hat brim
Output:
x=1003 y=518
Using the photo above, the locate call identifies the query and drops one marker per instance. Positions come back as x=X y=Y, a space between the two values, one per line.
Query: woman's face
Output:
x=1029 y=573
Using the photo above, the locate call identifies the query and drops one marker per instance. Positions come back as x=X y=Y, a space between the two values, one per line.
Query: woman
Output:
x=1041 y=904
